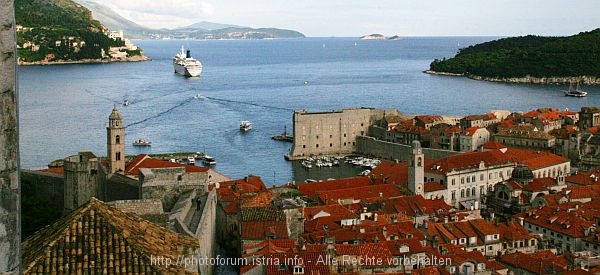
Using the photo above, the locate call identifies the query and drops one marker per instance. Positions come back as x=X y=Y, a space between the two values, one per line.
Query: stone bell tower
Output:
x=416 y=170
x=115 y=141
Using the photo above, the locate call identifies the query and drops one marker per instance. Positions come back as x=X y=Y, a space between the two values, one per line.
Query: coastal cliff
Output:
x=528 y=59
x=62 y=31
x=586 y=80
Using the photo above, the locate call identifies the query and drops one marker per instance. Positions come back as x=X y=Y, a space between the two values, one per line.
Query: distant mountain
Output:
x=200 y=30
x=209 y=26
x=114 y=21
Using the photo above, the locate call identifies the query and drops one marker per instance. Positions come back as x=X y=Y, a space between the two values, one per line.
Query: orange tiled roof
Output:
x=314 y=187
x=145 y=161
x=311 y=261
x=54 y=170
x=585 y=177
x=336 y=211
x=261 y=230
x=541 y=262
x=471 y=131
x=427 y=119
x=540 y=184
x=360 y=193
x=96 y=238
x=493 y=145
x=557 y=220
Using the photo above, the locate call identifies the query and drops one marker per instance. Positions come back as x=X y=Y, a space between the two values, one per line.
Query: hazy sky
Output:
x=388 y=17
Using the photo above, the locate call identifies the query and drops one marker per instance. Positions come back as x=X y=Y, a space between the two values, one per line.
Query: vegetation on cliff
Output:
x=528 y=56
x=59 y=30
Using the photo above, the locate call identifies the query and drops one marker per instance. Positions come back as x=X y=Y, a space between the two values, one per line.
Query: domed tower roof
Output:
x=522 y=174
x=115 y=114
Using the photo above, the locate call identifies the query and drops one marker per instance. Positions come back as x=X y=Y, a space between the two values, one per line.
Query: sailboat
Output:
x=575 y=92
x=284 y=136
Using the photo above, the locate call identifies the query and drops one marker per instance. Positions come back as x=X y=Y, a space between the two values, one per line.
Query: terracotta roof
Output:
x=314 y=187
x=541 y=262
x=366 y=251
x=471 y=130
x=428 y=119
x=412 y=129
x=391 y=172
x=540 y=184
x=360 y=193
x=557 y=220
x=493 y=145
x=591 y=177
x=335 y=211
x=432 y=186
x=145 y=161
x=263 y=213
x=311 y=261
x=54 y=170
x=96 y=238
x=261 y=230
x=415 y=206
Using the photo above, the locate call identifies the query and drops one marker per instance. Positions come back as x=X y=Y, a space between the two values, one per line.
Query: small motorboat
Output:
x=125 y=102
x=245 y=126
x=208 y=160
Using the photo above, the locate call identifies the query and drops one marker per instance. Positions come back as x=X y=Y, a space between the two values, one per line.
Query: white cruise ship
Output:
x=184 y=64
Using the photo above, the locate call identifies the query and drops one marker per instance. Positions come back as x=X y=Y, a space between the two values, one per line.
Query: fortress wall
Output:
x=394 y=151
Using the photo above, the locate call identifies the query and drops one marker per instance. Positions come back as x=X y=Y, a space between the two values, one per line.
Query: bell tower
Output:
x=115 y=141
x=416 y=170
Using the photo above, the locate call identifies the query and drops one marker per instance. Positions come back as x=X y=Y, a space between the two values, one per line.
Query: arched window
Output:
x=419 y=162
x=118 y=139
x=118 y=156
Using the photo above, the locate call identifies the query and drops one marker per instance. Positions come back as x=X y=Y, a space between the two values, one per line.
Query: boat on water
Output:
x=125 y=102
x=208 y=160
x=284 y=136
x=184 y=64
x=142 y=142
x=577 y=92
x=245 y=126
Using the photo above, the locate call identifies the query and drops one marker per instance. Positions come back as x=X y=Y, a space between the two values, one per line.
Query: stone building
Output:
x=330 y=133
x=472 y=138
x=589 y=117
x=525 y=136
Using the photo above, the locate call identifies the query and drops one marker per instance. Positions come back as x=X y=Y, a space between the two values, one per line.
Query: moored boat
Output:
x=208 y=160
x=577 y=92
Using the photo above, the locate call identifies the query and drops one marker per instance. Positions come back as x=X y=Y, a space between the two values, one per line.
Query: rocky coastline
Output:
x=136 y=58
x=554 y=80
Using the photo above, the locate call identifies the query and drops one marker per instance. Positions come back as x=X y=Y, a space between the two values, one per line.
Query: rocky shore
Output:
x=586 y=80
x=136 y=58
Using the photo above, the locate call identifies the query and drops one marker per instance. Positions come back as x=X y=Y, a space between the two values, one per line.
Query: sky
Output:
x=340 y=18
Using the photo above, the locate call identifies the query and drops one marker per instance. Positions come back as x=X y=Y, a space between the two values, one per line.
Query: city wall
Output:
x=10 y=232
x=393 y=151
x=49 y=185
x=330 y=133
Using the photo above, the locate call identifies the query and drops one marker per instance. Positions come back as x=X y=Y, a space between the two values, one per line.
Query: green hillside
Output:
x=53 y=30
x=536 y=56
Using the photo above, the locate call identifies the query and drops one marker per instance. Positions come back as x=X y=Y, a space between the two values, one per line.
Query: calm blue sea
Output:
x=64 y=108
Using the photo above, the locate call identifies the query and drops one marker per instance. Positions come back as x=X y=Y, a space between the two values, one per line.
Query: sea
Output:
x=64 y=109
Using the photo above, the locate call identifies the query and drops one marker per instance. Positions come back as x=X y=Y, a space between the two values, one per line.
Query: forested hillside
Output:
x=59 y=30
x=535 y=56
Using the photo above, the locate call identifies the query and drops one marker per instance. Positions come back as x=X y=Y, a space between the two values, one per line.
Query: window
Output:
x=481 y=177
x=473 y=191
x=453 y=195
x=468 y=179
x=344 y=134
x=118 y=139
x=330 y=144
x=473 y=179
x=303 y=146
x=453 y=182
x=462 y=193
x=462 y=180
x=118 y=156
x=317 y=145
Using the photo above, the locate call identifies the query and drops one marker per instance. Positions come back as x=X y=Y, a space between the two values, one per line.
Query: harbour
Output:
x=203 y=114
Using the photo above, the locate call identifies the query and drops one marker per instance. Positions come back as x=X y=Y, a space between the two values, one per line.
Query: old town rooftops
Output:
x=97 y=238
x=145 y=161
x=472 y=160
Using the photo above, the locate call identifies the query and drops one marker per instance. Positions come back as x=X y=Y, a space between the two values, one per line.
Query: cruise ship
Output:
x=184 y=64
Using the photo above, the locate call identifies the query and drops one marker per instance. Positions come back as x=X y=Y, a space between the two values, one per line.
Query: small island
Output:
x=377 y=36
x=528 y=59
x=59 y=32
